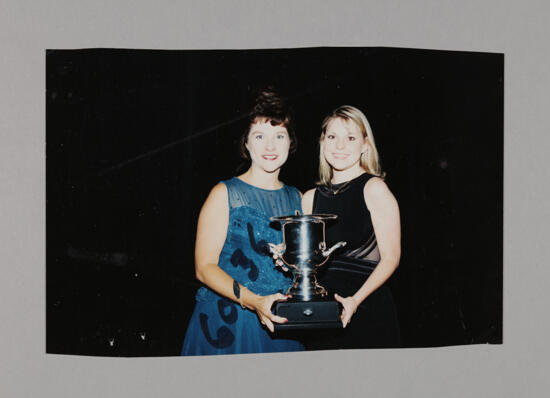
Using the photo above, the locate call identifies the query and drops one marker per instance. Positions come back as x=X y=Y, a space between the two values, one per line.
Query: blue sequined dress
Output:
x=219 y=325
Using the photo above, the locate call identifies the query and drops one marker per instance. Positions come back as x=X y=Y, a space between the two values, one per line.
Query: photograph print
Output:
x=211 y=202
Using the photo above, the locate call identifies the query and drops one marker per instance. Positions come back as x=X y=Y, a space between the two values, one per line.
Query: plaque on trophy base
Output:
x=315 y=314
x=304 y=250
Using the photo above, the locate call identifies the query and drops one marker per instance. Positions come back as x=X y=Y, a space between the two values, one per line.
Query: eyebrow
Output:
x=276 y=132
x=347 y=133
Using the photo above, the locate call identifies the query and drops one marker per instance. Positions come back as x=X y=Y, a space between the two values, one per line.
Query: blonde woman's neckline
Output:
x=347 y=181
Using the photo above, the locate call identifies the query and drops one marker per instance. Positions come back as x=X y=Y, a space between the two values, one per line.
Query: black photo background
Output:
x=135 y=139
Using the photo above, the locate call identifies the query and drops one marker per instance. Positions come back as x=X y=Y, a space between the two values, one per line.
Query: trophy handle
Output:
x=279 y=250
x=328 y=252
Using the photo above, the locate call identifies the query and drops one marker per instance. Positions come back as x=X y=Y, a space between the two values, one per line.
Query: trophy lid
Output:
x=305 y=218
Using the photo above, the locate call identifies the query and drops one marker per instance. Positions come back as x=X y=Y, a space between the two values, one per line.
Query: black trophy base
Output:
x=318 y=314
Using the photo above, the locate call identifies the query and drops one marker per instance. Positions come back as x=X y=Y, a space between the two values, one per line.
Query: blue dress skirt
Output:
x=219 y=325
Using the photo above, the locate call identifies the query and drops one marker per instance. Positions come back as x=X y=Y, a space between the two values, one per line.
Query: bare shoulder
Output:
x=218 y=190
x=309 y=194
x=217 y=197
x=375 y=185
x=307 y=201
x=377 y=191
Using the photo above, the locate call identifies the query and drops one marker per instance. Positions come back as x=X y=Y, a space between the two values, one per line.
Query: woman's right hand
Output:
x=263 y=306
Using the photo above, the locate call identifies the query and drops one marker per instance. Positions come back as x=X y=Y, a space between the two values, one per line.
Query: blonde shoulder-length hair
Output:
x=369 y=160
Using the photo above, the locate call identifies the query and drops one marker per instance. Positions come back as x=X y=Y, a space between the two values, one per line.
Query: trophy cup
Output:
x=304 y=250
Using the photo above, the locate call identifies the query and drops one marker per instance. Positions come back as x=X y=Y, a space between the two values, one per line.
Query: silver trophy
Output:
x=304 y=251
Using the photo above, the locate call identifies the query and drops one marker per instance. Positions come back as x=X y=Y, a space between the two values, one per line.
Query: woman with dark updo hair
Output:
x=232 y=258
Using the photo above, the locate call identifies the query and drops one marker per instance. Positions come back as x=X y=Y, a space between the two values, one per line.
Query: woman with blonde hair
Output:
x=352 y=186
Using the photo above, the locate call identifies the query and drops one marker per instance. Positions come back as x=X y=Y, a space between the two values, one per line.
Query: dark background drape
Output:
x=135 y=139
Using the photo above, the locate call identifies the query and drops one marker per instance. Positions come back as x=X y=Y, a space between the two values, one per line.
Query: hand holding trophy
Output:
x=304 y=250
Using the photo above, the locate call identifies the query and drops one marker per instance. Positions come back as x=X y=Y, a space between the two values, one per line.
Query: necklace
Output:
x=328 y=189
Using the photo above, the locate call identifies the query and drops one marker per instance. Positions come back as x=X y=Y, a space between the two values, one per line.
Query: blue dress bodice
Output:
x=219 y=325
x=245 y=255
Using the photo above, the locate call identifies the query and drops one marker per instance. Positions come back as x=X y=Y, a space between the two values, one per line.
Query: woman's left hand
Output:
x=350 y=306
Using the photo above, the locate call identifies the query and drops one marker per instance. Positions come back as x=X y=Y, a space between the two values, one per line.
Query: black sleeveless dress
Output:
x=375 y=323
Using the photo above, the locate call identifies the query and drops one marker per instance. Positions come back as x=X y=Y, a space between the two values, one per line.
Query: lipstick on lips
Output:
x=339 y=155
x=270 y=157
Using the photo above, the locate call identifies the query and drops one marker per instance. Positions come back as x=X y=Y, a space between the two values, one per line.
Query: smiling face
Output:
x=267 y=146
x=343 y=143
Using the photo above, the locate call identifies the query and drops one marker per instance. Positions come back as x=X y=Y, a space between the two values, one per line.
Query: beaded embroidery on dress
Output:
x=219 y=325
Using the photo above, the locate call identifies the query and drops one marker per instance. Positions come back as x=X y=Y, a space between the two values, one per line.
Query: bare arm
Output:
x=211 y=233
x=307 y=201
x=384 y=212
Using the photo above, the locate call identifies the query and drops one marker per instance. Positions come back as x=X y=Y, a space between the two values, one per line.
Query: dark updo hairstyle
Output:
x=269 y=106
